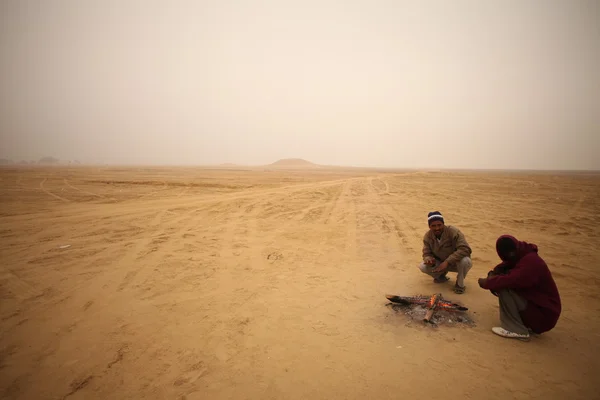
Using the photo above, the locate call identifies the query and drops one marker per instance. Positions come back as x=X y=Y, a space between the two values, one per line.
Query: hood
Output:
x=523 y=248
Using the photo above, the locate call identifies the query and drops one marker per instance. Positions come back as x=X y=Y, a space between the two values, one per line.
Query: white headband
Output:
x=435 y=216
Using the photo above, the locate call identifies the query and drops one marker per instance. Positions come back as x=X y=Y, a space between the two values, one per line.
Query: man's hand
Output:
x=429 y=261
x=440 y=268
x=482 y=282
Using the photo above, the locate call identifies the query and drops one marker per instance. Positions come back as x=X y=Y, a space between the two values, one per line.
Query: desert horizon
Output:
x=293 y=163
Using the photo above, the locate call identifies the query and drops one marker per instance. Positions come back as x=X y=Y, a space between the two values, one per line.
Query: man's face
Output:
x=437 y=227
x=507 y=250
x=511 y=255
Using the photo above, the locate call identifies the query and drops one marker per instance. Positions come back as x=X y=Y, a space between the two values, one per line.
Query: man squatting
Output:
x=527 y=294
x=445 y=249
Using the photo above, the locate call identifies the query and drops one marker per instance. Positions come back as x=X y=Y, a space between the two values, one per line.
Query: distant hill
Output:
x=293 y=162
x=49 y=161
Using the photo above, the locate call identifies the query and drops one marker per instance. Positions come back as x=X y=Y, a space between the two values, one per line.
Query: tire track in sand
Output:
x=50 y=193
x=105 y=282
x=320 y=207
x=232 y=254
x=83 y=191
x=261 y=258
x=172 y=230
x=343 y=218
x=151 y=204
x=388 y=218
x=180 y=256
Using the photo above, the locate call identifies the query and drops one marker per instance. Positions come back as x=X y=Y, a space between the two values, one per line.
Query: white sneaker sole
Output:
x=510 y=335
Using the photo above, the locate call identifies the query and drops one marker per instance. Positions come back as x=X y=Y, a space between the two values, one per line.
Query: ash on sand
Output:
x=416 y=313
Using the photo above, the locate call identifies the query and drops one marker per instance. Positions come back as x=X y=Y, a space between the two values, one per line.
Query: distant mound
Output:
x=49 y=161
x=293 y=162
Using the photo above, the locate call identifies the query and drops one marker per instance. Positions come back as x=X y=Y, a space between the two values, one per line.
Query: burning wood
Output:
x=431 y=303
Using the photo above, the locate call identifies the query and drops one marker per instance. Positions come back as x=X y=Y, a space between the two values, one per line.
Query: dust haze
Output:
x=214 y=243
x=463 y=84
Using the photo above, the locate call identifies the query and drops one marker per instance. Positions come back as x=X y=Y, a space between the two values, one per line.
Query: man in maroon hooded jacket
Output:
x=528 y=296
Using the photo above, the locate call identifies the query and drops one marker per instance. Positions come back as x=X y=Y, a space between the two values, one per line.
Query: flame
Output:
x=441 y=303
x=431 y=301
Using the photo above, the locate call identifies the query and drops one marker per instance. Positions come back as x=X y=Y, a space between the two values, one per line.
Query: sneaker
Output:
x=508 y=334
x=459 y=289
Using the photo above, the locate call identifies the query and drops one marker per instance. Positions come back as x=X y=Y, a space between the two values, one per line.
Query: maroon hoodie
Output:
x=529 y=277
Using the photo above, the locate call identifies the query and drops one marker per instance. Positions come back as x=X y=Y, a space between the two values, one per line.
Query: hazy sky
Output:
x=482 y=84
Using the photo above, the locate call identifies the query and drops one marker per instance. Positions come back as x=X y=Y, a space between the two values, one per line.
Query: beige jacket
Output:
x=452 y=246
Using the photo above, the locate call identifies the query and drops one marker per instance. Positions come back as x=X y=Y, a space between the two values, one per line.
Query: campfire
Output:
x=431 y=304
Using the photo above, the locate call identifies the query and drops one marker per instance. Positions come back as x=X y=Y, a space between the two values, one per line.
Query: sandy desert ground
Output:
x=187 y=283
